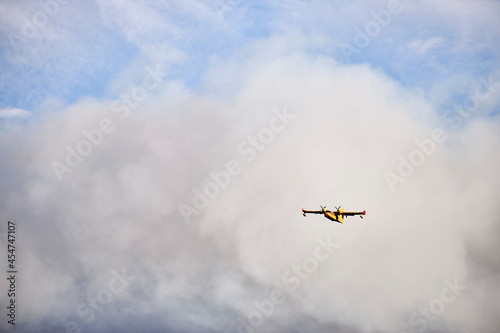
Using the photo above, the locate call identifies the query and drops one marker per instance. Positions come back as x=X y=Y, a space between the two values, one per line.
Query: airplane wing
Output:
x=312 y=211
x=354 y=213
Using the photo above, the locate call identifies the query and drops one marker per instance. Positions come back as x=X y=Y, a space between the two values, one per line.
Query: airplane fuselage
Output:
x=332 y=216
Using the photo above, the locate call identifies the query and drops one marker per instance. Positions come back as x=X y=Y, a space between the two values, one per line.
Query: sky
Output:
x=156 y=155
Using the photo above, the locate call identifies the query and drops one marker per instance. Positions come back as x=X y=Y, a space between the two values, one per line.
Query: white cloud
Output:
x=14 y=113
x=423 y=46
x=119 y=208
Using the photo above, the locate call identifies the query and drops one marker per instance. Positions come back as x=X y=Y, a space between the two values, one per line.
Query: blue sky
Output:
x=83 y=47
x=156 y=156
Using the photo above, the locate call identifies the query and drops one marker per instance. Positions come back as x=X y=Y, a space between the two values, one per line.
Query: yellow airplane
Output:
x=337 y=216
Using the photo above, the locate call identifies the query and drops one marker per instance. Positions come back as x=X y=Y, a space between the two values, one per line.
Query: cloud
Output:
x=108 y=248
x=14 y=113
x=423 y=46
x=119 y=209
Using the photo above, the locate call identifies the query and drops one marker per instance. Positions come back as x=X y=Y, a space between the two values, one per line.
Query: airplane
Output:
x=337 y=216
